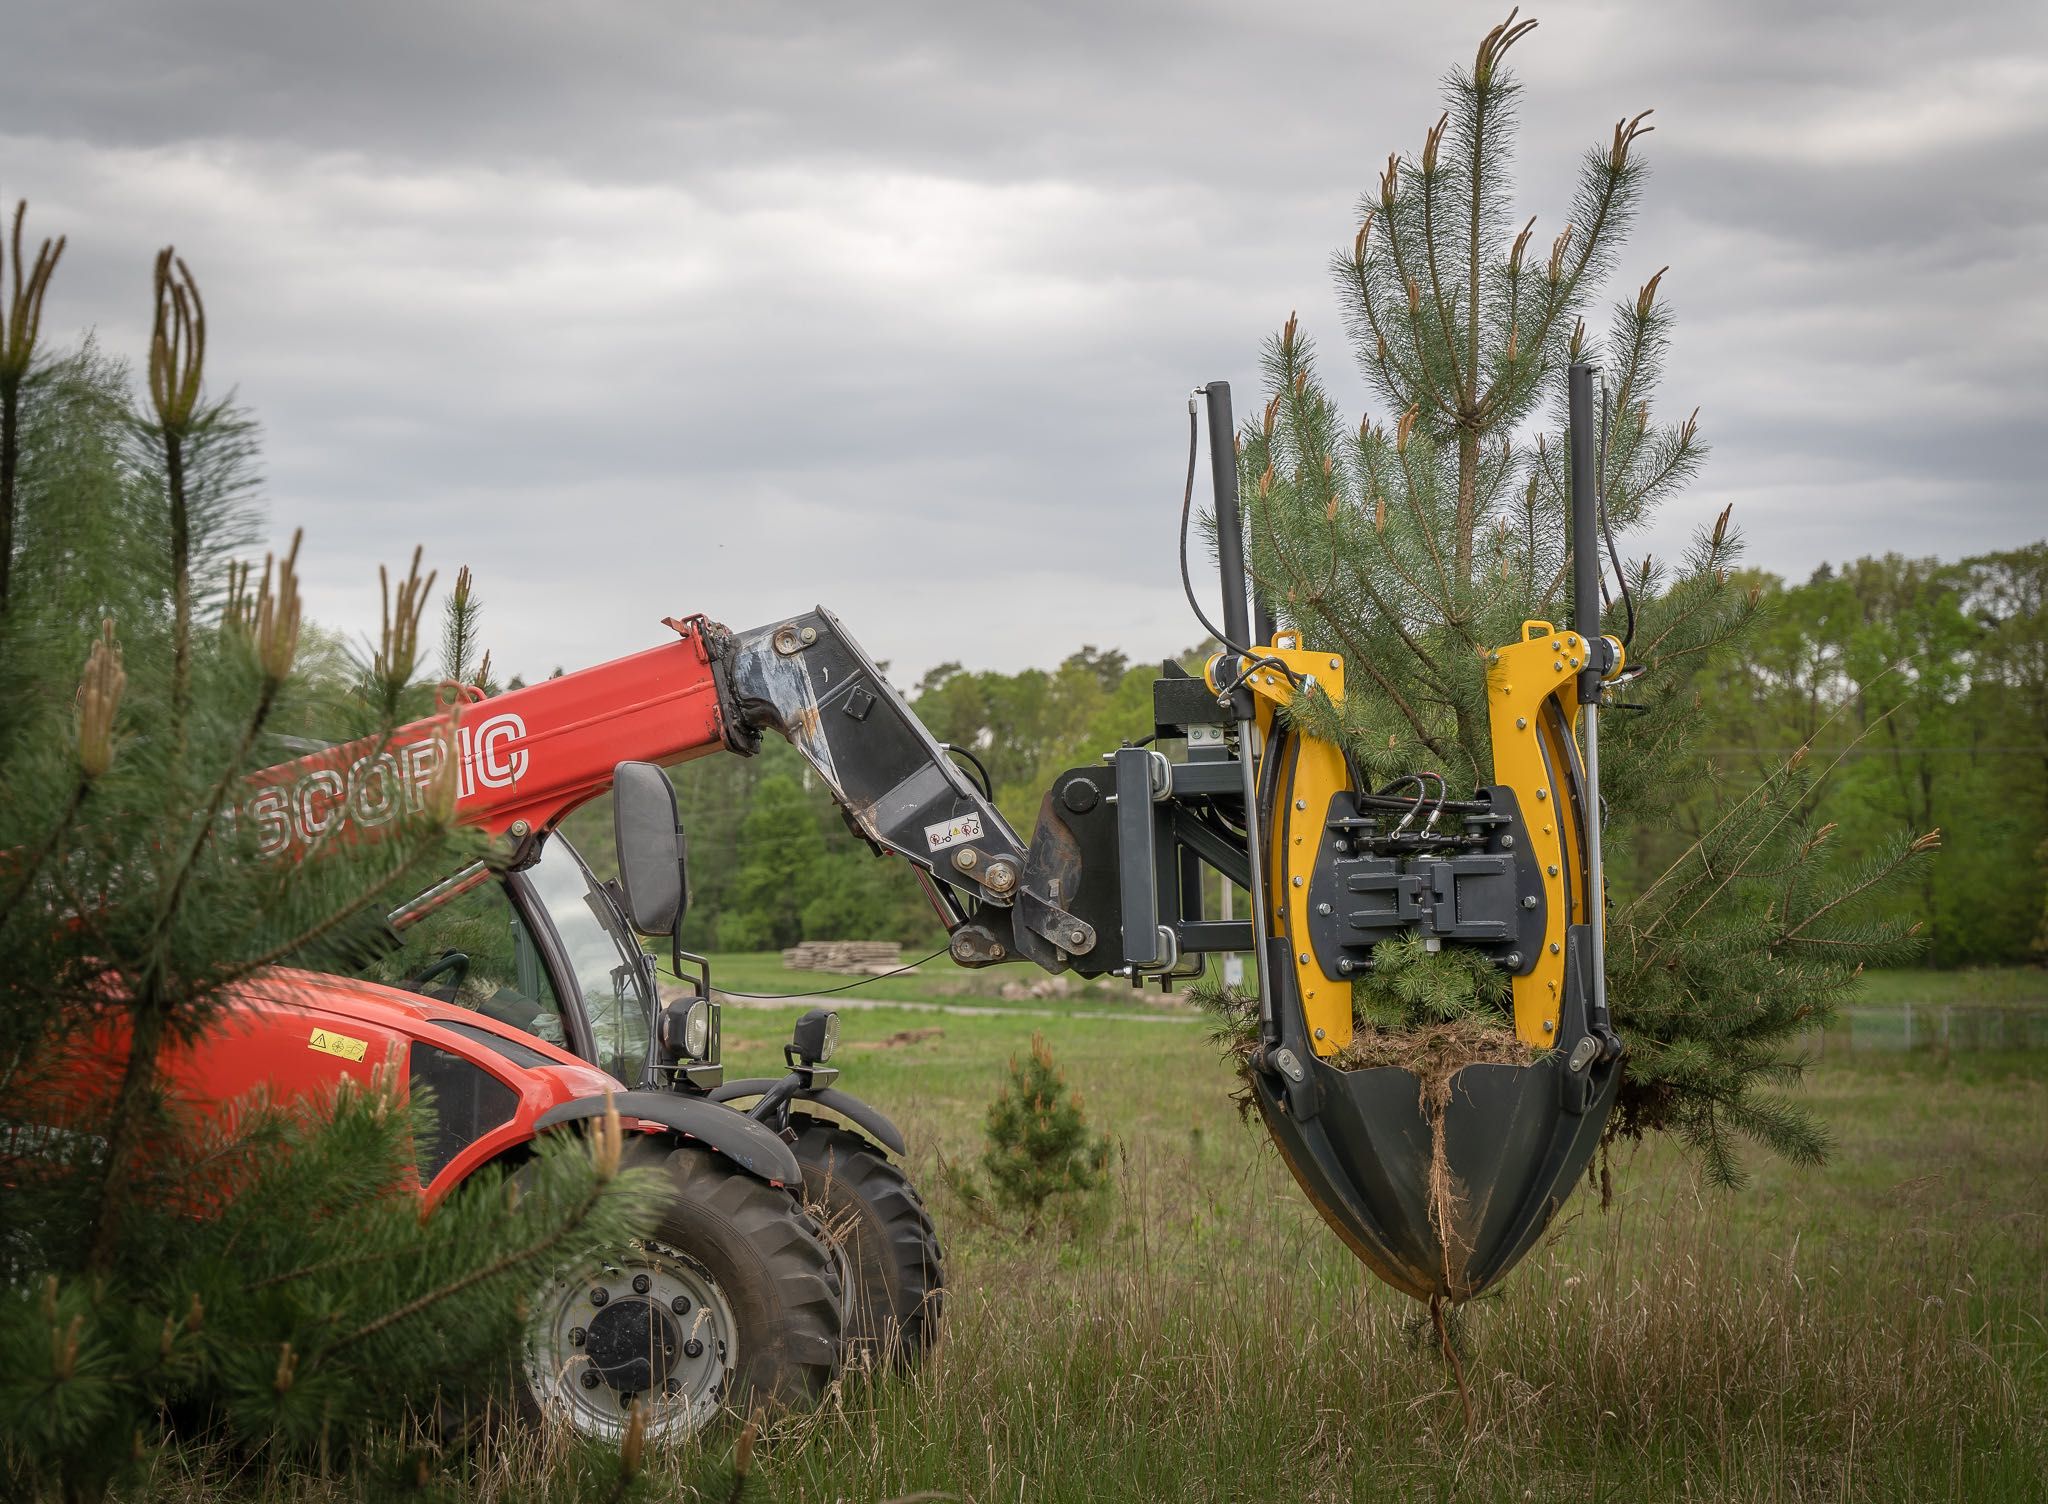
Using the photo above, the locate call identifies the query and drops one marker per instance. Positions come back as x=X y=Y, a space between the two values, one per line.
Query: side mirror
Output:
x=653 y=857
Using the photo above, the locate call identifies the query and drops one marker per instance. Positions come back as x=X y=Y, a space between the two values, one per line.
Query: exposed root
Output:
x=1437 y=1049
x=1434 y=1055
x=1443 y=1337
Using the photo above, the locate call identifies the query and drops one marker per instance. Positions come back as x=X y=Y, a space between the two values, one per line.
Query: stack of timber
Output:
x=857 y=958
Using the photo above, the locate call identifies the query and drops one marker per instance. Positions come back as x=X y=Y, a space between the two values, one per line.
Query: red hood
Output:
x=392 y=1008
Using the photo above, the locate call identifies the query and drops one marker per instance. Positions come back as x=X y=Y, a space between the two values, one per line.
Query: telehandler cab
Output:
x=520 y=992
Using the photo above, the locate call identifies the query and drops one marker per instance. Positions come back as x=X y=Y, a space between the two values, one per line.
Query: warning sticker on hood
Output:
x=347 y=1046
x=953 y=832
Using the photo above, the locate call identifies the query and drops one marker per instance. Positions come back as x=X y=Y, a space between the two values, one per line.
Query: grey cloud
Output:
x=643 y=309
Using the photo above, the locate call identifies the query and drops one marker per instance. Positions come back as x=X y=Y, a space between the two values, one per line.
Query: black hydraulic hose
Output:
x=880 y=976
x=954 y=749
x=1187 y=505
x=1628 y=600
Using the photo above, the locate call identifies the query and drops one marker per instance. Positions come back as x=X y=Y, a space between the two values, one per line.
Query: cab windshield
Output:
x=603 y=957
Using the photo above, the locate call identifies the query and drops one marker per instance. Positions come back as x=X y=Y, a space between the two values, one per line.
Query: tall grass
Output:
x=1870 y=1332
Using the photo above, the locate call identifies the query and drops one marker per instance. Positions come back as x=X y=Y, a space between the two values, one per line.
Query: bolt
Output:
x=1555 y=947
x=1322 y=908
x=672 y=1388
x=1301 y=804
x=680 y=1305
x=1345 y=966
x=1552 y=869
x=1543 y=793
x=1319 y=1033
x=1336 y=663
x=1514 y=958
x=576 y=1336
x=1521 y=723
x=965 y=858
x=590 y=1378
x=1001 y=876
x=1304 y=958
x=642 y=1284
x=1078 y=939
x=1557 y=667
x=809 y=634
x=1529 y=900
x=693 y=1348
x=1507 y=843
x=1548 y=1026
x=520 y=827
x=1297 y=881
x=599 y=1295
x=996 y=952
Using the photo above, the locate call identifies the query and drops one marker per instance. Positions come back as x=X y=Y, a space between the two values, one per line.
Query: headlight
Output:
x=817 y=1036
x=697 y=1029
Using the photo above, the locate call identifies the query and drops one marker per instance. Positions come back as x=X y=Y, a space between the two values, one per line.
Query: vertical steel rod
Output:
x=1229 y=521
x=1585 y=539
x=1237 y=624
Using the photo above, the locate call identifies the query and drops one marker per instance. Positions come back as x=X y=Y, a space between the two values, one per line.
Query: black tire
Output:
x=894 y=1272
x=734 y=1267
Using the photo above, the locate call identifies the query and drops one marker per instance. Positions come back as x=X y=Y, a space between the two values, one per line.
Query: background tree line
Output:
x=1928 y=681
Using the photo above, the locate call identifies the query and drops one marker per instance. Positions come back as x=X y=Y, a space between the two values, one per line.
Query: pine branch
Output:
x=1436 y=289
x=1915 y=848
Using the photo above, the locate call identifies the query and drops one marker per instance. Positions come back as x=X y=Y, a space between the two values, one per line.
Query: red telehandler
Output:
x=521 y=993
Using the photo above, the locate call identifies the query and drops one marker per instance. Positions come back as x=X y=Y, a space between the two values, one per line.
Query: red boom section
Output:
x=530 y=755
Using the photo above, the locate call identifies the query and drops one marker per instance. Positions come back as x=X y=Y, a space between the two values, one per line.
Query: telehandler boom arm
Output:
x=1112 y=879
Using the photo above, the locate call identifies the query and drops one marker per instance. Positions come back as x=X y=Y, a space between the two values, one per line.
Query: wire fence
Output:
x=1934 y=1027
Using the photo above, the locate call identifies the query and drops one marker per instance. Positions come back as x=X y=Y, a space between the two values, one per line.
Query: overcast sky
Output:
x=642 y=309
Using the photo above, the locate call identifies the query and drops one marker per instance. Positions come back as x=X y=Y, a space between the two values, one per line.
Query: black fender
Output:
x=725 y=1131
x=870 y=1119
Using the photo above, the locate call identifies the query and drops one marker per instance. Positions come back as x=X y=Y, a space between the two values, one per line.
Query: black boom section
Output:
x=806 y=679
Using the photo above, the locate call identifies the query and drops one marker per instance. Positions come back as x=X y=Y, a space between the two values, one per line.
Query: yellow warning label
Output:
x=327 y=1042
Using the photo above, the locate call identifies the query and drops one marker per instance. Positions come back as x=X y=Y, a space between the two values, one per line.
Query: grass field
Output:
x=1991 y=987
x=1871 y=1331
x=937 y=982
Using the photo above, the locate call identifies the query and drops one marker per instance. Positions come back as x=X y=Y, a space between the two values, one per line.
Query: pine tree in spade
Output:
x=1415 y=541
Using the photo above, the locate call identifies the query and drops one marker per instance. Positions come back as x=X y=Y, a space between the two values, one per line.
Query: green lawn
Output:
x=1999 y=986
x=937 y=981
x=1867 y=1331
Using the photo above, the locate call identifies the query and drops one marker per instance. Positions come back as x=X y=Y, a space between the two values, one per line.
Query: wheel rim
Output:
x=650 y=1329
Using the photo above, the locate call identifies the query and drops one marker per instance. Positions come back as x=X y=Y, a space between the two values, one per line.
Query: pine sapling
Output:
x=1040 y=1149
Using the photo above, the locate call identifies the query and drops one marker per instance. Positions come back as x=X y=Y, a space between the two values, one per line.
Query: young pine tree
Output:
x=1415 y=542
x=1040 y=1147
x=464 y=660
x=264 y=1274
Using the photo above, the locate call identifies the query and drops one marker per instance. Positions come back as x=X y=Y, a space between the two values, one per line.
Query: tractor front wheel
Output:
x=731 y=1302
x=890 y=1265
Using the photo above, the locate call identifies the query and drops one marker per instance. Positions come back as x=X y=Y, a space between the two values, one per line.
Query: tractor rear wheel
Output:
x=731 y=1302
x=892 y=1271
